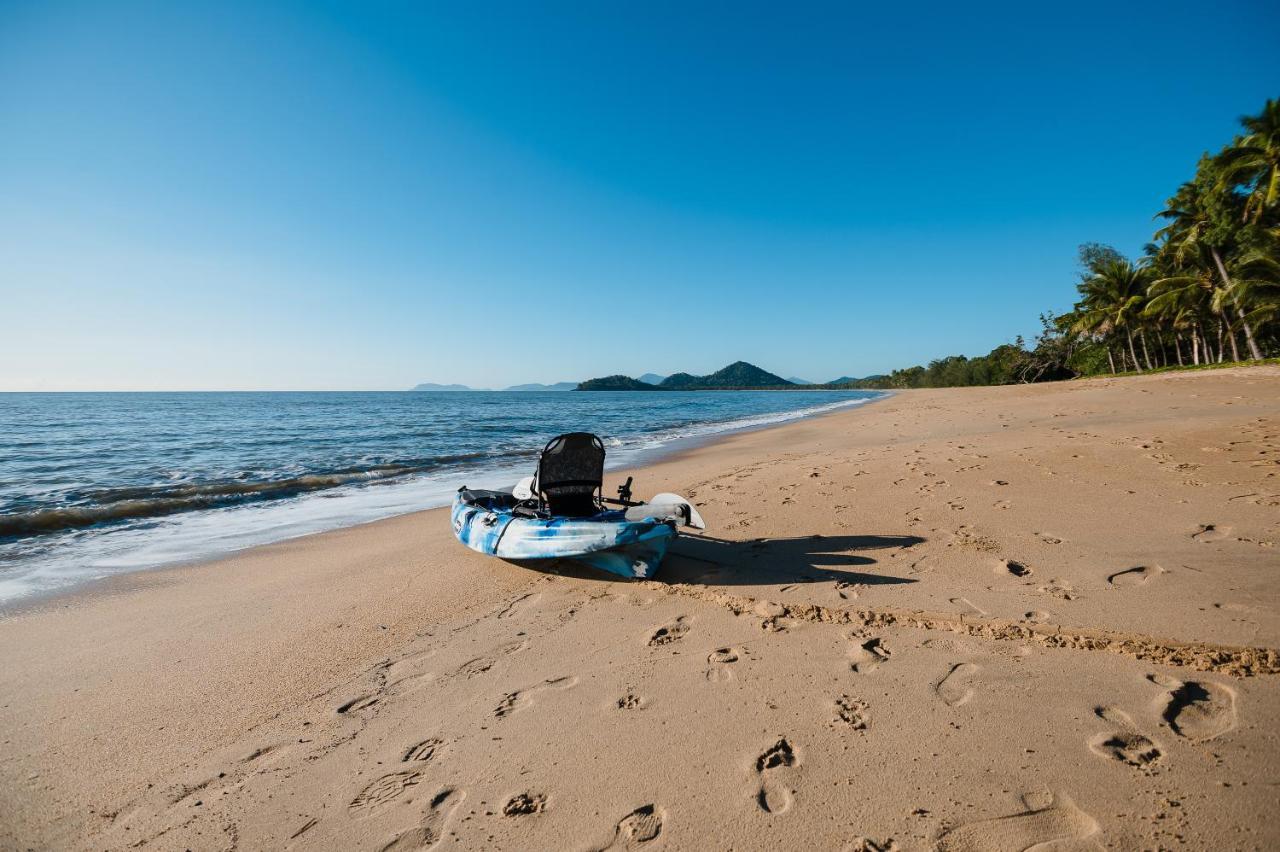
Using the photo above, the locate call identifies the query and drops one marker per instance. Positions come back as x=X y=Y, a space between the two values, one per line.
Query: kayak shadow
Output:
x=711 y=561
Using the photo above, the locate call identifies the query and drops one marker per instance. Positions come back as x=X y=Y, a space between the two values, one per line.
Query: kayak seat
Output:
x=571 y=475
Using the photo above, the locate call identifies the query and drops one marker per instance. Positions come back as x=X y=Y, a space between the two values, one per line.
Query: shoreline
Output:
x=158 y=553
x=984 y=588
x=641 y=458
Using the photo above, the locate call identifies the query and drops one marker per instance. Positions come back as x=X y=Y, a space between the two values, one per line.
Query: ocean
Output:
x=93 y=484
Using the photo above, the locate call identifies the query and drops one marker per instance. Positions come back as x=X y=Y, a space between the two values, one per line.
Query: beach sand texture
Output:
x=970 y=619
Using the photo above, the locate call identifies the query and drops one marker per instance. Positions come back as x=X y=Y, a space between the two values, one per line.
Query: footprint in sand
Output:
x=852 y=713
x=956 y=686
x=720 y=660
x=480 y=665
x=430 y=830
x=410 y=670
x=524 y=804
x=514 y=701
x=1207 y=533
x=1058 y=588
x=866 y=656
x=1138 y=576
x=423 y=751
x=774 y=795
x=669 y=633
x=846 y=590
x=636 y=829
x=381 y=792
x=1013 y=568
x=1125 y=744
x=630 y=701
x=1050 y=822
x=1198 y=710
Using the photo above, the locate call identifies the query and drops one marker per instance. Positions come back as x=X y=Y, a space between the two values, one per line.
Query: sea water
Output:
x=93 y=484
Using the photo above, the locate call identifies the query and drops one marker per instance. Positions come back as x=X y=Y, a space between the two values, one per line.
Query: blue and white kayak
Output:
x=629 y=542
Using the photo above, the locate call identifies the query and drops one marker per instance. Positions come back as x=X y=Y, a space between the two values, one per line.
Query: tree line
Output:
x=1206 y=289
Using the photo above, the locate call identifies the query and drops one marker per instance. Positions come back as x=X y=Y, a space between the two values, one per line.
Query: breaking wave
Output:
x=138 y=502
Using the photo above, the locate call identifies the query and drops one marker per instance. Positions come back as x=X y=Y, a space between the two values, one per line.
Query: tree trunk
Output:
x=1112 y=359
x=1136 y=366
x=1254 y=352
x=1177 y=349
x=1195 y=345
x=1220 y=347
x=1231 y=335
x=1146 y=353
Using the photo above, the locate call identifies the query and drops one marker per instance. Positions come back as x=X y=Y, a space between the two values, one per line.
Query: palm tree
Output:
x=1257 y=277
x=1184 y=298
x=1202 y=225
x=1253 y=161
x=1113 y=295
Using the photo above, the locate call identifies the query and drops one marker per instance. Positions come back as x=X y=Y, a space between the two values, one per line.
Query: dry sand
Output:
x=1035 y=615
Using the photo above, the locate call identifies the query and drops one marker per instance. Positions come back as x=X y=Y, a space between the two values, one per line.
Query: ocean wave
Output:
x=110 y=505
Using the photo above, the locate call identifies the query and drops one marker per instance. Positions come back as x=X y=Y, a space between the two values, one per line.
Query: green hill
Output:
x=739 y=374
x=680 y=381
x=615 y=383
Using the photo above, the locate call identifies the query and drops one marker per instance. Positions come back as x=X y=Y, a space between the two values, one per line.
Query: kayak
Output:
x=630 y=542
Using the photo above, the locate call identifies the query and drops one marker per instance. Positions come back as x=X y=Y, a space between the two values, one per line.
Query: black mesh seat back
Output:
x=571 y=473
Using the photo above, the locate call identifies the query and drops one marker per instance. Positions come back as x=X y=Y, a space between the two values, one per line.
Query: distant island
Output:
x=431 y=386
x=737 y=376
x=534 y=386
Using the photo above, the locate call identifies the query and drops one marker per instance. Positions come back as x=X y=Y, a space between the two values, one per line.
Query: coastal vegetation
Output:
x=1206 y=289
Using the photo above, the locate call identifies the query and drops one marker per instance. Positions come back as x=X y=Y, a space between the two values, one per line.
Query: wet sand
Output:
x=966 y=619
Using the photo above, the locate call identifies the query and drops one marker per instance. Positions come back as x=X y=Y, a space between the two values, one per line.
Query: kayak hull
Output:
x=486 y=523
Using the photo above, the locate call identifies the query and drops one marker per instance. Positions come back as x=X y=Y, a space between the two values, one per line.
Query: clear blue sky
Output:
x=316 y=195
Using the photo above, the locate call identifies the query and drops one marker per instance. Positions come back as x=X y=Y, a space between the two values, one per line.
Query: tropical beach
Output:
x=639 y=427
x=1043 y=614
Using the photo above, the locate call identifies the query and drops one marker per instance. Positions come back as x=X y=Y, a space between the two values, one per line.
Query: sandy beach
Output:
x=967 y=619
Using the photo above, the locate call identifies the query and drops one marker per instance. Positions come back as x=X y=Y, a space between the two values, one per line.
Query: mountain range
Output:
x=739 y=374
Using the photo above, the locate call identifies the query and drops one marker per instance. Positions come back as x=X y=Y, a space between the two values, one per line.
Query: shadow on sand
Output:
x=712 y=561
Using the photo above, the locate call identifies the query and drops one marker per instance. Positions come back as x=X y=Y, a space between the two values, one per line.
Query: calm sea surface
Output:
x=95 y=484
